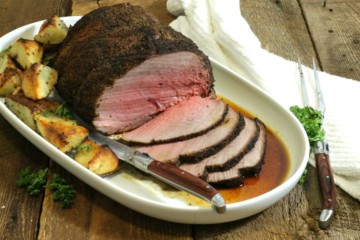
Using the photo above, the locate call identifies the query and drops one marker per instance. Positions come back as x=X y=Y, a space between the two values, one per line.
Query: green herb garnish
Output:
x=311 y=119
x=63 y=111
x=303 y=177
x=34 y=182
x=63 y=192
x=84 y=147
x=48 y=59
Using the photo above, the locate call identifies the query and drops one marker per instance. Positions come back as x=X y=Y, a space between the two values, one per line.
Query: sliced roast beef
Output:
x=230 y=155
x=186 y=120
x=198 y=148
x=119 y=67
x=249 y=165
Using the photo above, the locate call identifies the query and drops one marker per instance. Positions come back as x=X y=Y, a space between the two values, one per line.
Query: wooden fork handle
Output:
x=326 y=181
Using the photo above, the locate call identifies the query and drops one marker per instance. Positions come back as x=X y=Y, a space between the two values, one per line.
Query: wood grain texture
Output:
x=72 y=223
x=16 y=13
x=155 y=7
x=19 y=212
x=95 y=216
x=289 y=28
x=280 y=27
x=335 y=31
x=115 y=221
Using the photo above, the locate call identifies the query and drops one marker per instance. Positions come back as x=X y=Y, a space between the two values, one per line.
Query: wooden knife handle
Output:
x=185 y=181
x=325 y=176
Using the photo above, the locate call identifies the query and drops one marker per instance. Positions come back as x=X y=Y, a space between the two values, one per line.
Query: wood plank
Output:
x=335 y=30
x=287 y=219
x=72 y=223
x=280 y=27
x=118 y=222
x=16 y=13
x=94 y=216
x=19 y=212
x=155 y=7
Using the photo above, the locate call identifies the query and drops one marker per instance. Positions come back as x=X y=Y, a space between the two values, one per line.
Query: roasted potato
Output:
x=9 y=81
x=99 y=159
x=26 y=52
x=38 y=81
x=25 y=108
x=53 y=31
x=5 y=62
x=63 y=133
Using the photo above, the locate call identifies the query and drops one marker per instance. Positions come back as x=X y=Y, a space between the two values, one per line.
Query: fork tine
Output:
x=303 y=85
x=320 y=98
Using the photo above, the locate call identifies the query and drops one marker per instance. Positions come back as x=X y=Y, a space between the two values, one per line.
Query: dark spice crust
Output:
x=254 y=170
x=198 y=156
x=104 y=45
x=235 y=160
x=243 y=172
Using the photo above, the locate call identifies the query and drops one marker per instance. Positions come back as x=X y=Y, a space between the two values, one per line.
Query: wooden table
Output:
x=292 y=29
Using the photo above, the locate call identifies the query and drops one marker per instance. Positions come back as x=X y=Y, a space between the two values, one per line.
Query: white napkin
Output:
x=220 y=31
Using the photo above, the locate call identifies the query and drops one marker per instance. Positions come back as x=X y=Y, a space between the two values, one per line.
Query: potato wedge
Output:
x=99 y=159
x=26 y=52
x=86 y=151
x=9 y=81
x=25 y=108
x=104 y=162
x=38 y=81
x=64 y=134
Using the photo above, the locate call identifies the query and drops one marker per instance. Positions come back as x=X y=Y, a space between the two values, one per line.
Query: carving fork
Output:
x=321 y=151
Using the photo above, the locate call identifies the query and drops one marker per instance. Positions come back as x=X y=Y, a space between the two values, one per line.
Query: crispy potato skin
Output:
x=99 y=159
x=26 y=52
x=5 y=62
x=9 y=81
x=9 y=75
x=25 y=108
x=52 y=32
x=64 y=134
x=38 y=81
x=25 y=84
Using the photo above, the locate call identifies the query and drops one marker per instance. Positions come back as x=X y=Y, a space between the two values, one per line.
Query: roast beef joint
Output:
x=146 y=85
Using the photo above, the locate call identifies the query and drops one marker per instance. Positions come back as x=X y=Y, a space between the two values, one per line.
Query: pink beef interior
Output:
x=191 y=117
x=150 y=88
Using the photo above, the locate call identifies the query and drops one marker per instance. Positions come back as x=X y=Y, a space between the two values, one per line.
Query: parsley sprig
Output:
x=35 y=183
x=63 y=192
x=63 y=111
x=311 y=119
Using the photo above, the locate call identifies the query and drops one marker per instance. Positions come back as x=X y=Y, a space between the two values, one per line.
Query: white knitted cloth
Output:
x=220 y=31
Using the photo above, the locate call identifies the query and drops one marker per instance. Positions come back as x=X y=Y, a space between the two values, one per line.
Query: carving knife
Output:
x=167 y=173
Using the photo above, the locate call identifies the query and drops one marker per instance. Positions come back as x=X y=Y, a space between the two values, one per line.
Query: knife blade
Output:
x=165 y=172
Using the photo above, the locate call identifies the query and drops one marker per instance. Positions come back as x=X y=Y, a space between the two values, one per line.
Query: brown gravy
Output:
x=273 y=172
